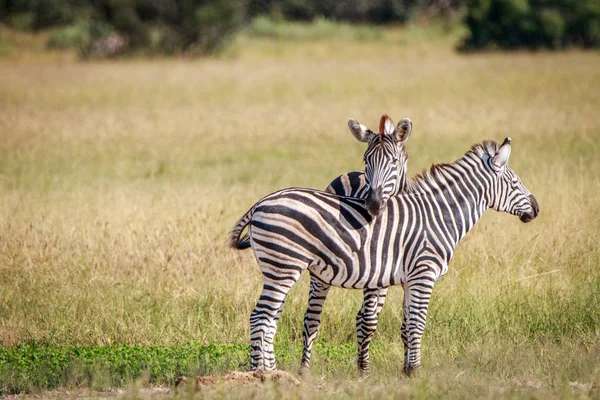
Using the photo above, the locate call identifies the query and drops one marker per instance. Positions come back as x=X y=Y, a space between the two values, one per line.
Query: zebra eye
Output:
x=395 y=160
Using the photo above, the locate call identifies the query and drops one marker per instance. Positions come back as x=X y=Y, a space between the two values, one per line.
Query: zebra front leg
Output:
x=416 y=303
x=312 y=318
x=366 y=323
x=263 y=320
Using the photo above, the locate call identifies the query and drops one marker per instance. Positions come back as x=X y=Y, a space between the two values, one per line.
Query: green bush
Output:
x=374 y=11
x=513 y=24
x=79 y=36
x=37 y=14
x=22 y=21
x=76 y=36
x=552 y=27
x=585 y=28
x=214 y=24
x=148 y=26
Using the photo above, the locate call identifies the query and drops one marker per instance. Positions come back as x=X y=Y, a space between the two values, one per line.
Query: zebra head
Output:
x=385 y=159
x=508 y=192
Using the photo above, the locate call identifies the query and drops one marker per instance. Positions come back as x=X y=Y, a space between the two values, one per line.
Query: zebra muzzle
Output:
x=375 y=203
x=535 y=210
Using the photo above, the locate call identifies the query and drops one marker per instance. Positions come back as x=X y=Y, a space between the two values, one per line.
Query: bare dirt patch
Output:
x=239 y=378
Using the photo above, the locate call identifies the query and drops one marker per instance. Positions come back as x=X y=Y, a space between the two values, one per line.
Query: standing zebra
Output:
x=354 y=184
x=409 y=244
x=385 y=173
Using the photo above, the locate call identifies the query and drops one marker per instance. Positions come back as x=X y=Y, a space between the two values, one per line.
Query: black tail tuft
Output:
x=236 y=240
x=244 y=242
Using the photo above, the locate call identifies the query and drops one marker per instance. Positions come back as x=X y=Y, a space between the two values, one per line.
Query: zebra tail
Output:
x=235 y=242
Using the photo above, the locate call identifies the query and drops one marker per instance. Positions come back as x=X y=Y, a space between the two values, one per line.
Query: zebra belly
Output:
x=355 y=277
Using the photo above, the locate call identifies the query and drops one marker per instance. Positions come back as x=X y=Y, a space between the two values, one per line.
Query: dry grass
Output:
x=120 y=180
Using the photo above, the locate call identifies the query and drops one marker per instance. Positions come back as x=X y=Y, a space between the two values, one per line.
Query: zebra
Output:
x=354 y=184
x=409 y=244
x=385 y=174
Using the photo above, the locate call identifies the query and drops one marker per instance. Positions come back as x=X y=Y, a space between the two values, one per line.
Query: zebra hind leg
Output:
x=417 y=294
x=263 y=320
x=312 y=318
x=269 y=349
x=366 y=323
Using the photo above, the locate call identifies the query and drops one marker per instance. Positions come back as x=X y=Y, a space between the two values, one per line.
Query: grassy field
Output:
x=119 y=182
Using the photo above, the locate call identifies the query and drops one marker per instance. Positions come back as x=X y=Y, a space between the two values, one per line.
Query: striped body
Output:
x=409 y=244
x=341 y=244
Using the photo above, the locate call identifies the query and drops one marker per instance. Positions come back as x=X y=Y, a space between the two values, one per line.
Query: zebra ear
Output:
x=386 y=125
x=500 y=159
x=403 y=130
x=360 y=132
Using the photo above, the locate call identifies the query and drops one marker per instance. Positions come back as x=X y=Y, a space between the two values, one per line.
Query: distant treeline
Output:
x=513 y=24
x=111 y=27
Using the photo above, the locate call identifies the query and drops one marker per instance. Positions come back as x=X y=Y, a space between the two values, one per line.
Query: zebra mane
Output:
x=431 y=178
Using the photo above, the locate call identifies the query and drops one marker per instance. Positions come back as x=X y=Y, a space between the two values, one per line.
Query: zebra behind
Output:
x=409 y=244
x=385 y=161
x=355 y=184
x=385 y=164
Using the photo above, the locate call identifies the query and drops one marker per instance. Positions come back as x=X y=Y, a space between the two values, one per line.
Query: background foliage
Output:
x=510 y=24
x=113 y=27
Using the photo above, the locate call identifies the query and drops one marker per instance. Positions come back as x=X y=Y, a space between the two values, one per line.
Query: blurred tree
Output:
x=206 y=26
x=155 y=26
x=511 y=24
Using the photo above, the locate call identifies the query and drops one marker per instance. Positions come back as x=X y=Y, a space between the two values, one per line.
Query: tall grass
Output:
x=119 y=182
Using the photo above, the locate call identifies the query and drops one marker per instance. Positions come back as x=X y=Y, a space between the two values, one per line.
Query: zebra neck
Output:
x=456 y=197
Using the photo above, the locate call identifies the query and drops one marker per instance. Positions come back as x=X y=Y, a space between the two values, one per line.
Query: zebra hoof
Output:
x=412 y=371
x=304 y=372
x=363 y=368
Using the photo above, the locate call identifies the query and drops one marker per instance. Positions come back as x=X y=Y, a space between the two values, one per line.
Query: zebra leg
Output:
x=269 y=347
x=263 y=324
x=312 y=317
x=366 y=323
x=416 y=303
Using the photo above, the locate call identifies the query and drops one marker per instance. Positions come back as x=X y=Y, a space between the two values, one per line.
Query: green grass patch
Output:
x=320 y=28
x=31 y=367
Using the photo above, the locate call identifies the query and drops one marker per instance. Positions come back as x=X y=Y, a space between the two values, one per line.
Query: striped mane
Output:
x=429 y=179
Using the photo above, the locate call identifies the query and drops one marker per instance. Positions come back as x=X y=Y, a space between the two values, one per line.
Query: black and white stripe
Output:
x=409 y=244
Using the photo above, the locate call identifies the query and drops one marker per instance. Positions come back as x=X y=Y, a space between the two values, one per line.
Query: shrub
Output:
x=214 y=24
x=150 y=26
x=552 y=27
x=80 y=36
x=511 y=24
x=37 y=14
x=76 y=36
